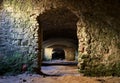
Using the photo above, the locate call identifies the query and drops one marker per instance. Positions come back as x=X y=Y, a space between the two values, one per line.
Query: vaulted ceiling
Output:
x=59 y=23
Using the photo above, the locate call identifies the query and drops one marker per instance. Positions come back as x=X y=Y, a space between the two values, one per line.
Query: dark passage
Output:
x=58 y=54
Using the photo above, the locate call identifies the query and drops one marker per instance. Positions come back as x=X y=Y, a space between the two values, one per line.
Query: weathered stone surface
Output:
x=97 y=40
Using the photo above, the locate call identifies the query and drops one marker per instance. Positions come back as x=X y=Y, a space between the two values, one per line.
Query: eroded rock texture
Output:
x=98 y=34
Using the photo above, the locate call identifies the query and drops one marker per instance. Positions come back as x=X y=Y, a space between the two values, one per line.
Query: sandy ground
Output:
x=68 y=74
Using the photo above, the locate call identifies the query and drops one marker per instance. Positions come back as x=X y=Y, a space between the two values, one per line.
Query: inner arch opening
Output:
x=58 y=54
x=59 y=30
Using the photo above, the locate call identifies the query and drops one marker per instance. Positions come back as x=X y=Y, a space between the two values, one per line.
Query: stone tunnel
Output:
x=87 y=30
x=58 y=32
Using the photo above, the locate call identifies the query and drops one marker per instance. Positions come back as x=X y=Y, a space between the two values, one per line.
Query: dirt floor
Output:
x=66 y=74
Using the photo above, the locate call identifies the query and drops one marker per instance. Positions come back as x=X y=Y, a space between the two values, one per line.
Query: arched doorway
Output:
x=58 y=54
x=58 y=24
x=68 y=45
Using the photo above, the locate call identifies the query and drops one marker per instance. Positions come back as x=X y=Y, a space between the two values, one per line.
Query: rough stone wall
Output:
x=18 y=31
x=98 y=48
x=99 y=38
x=18 y=28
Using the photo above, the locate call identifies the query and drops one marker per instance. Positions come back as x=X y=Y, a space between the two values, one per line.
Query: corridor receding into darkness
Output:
x=59 y=28
x=68 y=39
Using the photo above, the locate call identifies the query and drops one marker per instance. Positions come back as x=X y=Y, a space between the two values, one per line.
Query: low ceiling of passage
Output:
x=59 y=43
x=58 y=24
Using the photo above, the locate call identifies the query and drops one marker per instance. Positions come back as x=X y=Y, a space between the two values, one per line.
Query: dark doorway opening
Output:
x=58 y=54
x=57 y=24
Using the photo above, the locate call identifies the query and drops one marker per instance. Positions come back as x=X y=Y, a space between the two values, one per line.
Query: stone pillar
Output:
x=69 y=54
x=48 y=53
x=83 y=44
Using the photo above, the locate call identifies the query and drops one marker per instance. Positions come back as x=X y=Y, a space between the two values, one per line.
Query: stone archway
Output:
x=56 y=24
x=58 y=54
x=68 y=45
